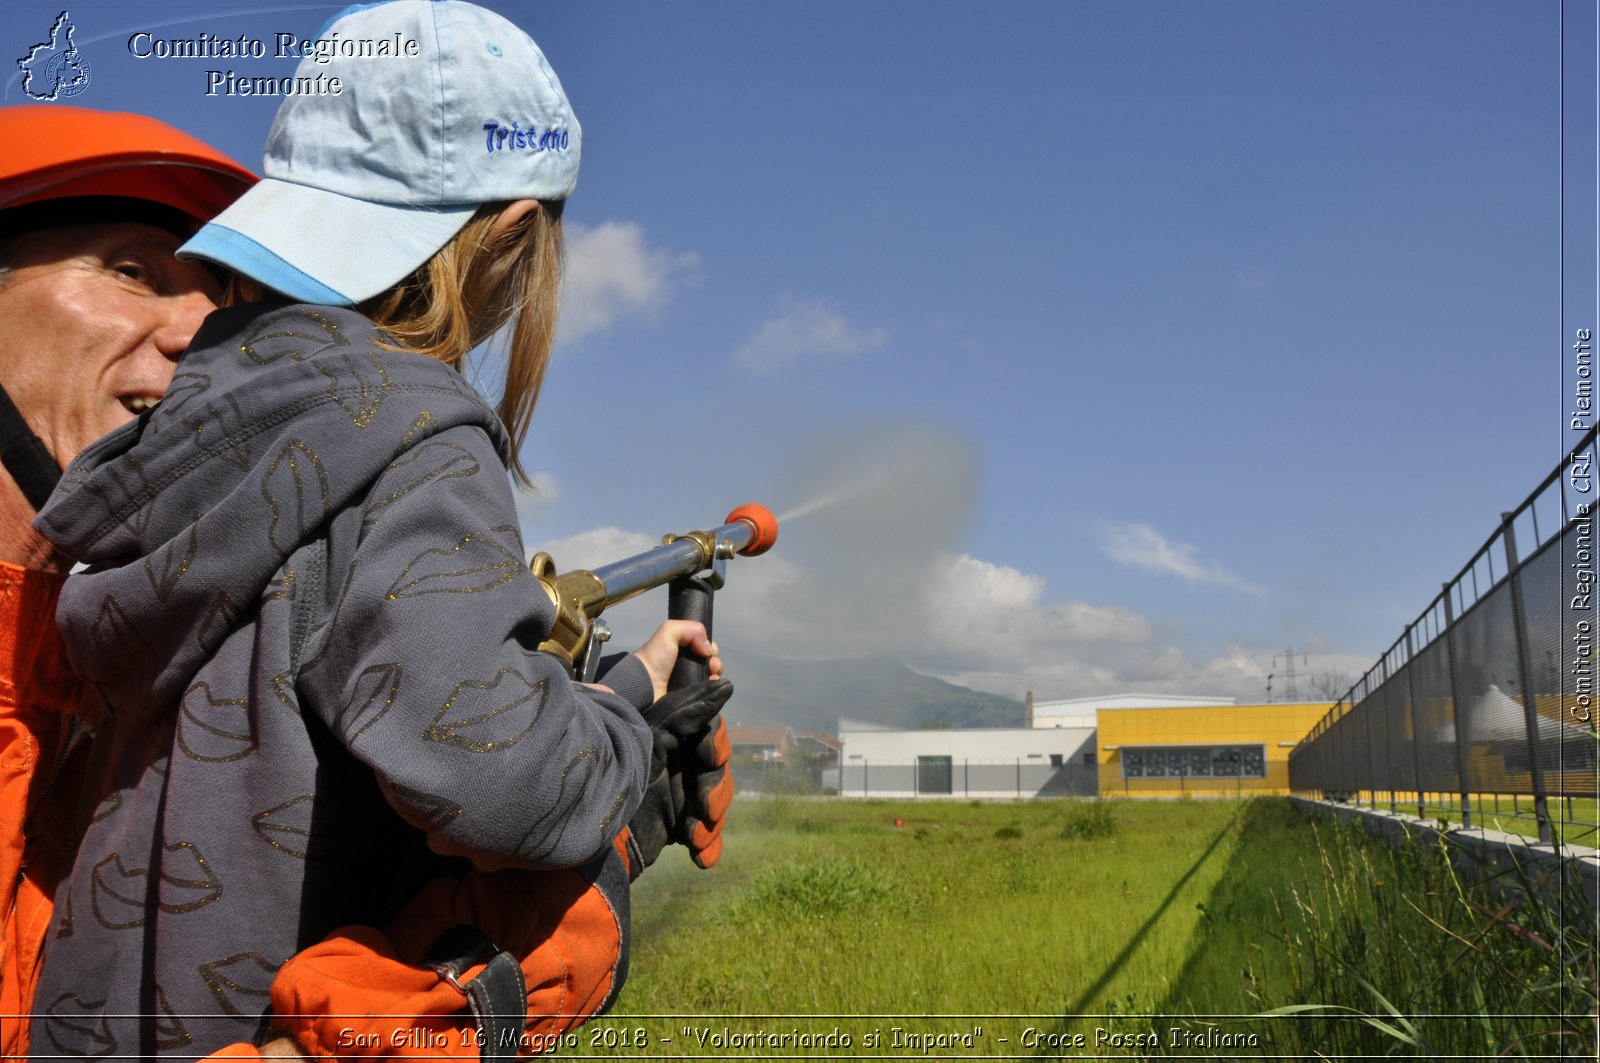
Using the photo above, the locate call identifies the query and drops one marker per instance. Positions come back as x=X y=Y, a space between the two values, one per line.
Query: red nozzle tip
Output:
x=765 y=524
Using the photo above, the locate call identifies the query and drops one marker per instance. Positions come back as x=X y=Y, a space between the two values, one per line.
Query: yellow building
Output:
x=1201 y=749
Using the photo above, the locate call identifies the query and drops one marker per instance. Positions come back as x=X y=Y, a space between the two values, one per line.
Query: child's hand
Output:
x=660 y=653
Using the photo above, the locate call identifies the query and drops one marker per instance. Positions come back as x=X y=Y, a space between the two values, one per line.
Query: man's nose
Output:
x=179 y=318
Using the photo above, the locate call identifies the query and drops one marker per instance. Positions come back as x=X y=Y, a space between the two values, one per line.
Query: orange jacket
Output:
x=562 y=929
x=37 y=693
x=338 y=997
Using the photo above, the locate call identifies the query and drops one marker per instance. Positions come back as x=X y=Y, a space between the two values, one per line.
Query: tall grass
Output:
x=1422 y=950
x=1086 y=916
x=827 y=906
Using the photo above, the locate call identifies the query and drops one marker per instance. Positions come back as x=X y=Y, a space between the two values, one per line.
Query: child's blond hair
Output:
x=467 y=292
x=470 y=289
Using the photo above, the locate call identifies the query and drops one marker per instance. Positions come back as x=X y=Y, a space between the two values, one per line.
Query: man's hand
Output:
x=682 y=802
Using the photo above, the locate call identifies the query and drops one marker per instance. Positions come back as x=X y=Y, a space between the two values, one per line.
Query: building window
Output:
x=1226 y=762
x=1255 y=763
x=1055 y=760
x=933 y=775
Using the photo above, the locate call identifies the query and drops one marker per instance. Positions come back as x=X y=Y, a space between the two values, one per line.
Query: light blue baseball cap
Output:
x=442 y=106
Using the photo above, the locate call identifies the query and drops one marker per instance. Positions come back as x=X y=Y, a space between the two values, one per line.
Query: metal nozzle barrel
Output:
x=751 y=530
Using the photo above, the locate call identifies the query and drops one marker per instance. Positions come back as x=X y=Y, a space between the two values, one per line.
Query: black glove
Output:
x=708 y=790
x=678 y=722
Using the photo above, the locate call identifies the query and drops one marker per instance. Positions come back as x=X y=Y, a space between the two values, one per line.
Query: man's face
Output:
x=92 y=321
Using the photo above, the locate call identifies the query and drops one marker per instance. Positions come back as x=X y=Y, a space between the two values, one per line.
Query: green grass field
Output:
x=1058 y=928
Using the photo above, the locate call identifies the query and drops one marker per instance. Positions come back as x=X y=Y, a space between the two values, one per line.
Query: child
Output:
x=306 y=602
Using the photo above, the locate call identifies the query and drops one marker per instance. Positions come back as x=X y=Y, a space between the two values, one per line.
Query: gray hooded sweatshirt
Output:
x=309 y=617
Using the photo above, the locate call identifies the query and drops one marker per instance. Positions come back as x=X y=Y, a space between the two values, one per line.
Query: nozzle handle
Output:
x=689 y=598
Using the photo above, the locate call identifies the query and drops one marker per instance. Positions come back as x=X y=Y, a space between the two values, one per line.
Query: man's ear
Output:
x=509 y=217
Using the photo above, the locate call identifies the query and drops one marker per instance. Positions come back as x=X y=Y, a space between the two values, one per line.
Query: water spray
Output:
x=864 y=486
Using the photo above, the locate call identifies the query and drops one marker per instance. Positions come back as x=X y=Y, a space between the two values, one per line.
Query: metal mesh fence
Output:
x=1401 y=766
x=1434 y=704
x=1491 y=691
x=1488 y=718
x=1354 y=734
x=1562 y=671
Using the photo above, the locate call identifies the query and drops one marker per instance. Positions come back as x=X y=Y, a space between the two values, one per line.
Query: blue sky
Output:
x=1092 y=346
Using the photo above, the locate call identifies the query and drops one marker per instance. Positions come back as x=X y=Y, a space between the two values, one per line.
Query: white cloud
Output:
x=598 y=546
x=1141 y=546
x=1253 y=676
x=990 y=627
x=613 y=272
x=967 y=620
x=969 y=604
x=532 y=501
x=805 y=328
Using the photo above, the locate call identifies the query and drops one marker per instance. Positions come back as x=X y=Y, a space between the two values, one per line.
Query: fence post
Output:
x=1366 y=729
x=1455 y=717
x=1530 y=711
x=1416 y=733
x=1374 y=759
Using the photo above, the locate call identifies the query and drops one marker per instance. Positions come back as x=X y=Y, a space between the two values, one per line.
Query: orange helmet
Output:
x=55 y=152
x=98 y=158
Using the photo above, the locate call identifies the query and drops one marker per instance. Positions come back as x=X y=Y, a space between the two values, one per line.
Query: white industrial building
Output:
x=1055 y=754
x=998 y=762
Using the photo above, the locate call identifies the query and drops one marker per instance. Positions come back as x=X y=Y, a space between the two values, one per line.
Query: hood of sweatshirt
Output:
x=261 y=431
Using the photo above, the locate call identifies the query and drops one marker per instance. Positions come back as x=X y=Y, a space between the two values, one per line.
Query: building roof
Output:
x=847 y=727
x=746 y=735
x=1084 y=706
x=848 y=724
x=819 y=737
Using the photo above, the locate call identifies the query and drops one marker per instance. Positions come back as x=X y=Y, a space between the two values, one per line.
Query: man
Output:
x=95 y=311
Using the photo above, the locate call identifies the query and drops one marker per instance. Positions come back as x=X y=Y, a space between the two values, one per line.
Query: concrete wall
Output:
x=1482 y=853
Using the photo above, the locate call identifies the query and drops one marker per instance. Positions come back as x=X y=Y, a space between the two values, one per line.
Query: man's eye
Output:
x=137 y=271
